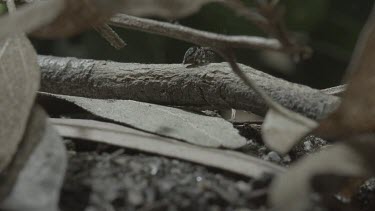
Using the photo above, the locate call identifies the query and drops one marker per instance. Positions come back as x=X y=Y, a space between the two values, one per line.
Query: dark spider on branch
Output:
x=198 y=56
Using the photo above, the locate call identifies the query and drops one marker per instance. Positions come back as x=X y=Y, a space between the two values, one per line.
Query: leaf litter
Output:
x=126 y=137
x=167 y=121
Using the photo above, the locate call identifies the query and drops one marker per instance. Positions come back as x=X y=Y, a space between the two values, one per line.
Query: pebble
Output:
x=273 y=156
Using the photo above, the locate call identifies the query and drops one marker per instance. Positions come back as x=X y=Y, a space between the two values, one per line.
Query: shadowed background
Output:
x=330 y=27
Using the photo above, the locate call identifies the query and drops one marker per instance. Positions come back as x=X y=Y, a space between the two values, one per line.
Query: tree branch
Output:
x=191 y=35
x=214 y=86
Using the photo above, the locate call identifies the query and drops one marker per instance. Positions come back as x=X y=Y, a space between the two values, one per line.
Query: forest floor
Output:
x=105 y=178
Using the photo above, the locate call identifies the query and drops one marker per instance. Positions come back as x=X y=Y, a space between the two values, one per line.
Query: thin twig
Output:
x=269 y=18
x=110 y=35
x=191 y=35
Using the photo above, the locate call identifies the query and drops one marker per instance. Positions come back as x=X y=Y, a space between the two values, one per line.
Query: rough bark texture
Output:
x=213 y=86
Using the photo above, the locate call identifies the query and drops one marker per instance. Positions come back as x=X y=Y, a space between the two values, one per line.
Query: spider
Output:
x=198 y=56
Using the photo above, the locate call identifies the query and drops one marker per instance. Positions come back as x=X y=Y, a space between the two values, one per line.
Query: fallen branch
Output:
x=214 y=86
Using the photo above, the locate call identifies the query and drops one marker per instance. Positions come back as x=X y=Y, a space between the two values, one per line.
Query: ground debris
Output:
x=132 y=181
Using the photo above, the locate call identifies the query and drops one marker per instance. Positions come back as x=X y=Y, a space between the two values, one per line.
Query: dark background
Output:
x=330 y=27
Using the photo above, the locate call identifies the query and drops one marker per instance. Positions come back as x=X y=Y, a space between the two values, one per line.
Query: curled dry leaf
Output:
x=127 y=137
x=169 y=9
x=292 y=191
x=18 y=65
x=356 y=113
x=167 y=121
x=280 y=133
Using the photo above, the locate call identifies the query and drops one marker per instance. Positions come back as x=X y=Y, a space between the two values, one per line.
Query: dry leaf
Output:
x=172 y=122
x=281 y=133
x=126 y=137
x=169 y=9
x=356 y=113
x=19 y=81
x=292 y=191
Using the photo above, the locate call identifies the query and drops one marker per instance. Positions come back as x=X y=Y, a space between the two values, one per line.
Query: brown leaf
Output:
x=356 y=114
x=130 y=138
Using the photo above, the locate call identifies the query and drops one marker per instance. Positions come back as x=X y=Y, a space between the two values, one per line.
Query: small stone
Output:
x=273 y=156
x=307 y=146
x=287 y=159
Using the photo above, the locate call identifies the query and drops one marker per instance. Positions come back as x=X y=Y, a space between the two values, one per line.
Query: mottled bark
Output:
x=213 y=86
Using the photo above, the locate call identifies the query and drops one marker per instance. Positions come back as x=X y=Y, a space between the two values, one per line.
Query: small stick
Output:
x=110 y=35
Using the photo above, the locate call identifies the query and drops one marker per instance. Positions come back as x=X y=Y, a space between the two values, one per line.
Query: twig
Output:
x=229 y=56
x=213 y=86
x=191 y=35
x=110 y=35
x=269 y=18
